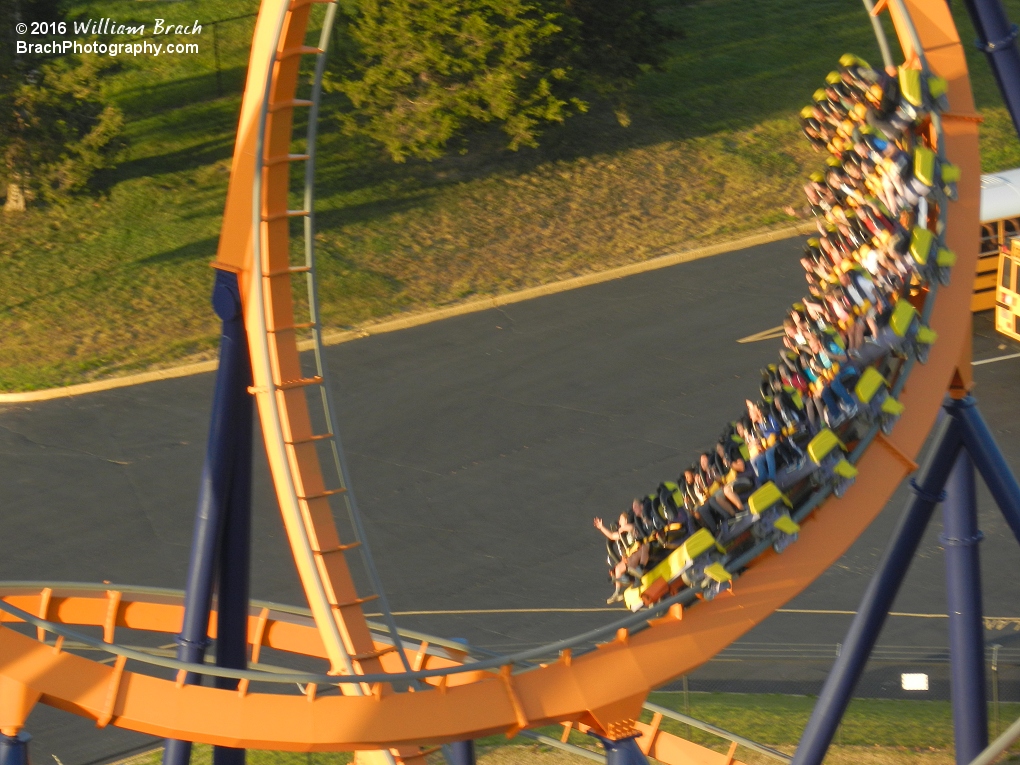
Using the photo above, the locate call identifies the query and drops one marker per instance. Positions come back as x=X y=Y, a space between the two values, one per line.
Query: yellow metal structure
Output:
x=1007 y=293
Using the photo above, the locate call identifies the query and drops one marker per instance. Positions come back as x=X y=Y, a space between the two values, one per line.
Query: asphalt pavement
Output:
x=480 y=449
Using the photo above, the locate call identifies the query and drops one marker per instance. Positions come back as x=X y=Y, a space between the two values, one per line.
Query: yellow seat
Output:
x=822 y=444
x=786 y=524
x=701 y=542
x=717 y=572
x=660 y=571
x=950 y=173
x=910 y=86
x=870 y=382
x=632 y=598
x=807 y=112
x=903 y=314
x=849 y=59
x=937 y=86
x=924 y=165
x=926 y=335
x=845 y=470
x=892 y=406
x=672 y=566
x=920 y=244
x=674 y=492
x=945 y=258
x=765 y=497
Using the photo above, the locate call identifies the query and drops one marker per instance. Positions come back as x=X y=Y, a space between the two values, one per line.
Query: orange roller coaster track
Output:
x=442 y=699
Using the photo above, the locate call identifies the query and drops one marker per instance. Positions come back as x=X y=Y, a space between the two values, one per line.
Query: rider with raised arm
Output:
x=635 y=557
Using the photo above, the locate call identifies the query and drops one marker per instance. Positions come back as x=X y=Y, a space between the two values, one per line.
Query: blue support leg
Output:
x=624 y=751
x=989 y=461
x=235 y=553
x=878 y=598
x=997 y=38
x=230 y=400
x=14 y=749
x=966 y=629
x=460 y=753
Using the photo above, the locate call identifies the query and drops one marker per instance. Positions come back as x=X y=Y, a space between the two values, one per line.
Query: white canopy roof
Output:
x=1000 y=195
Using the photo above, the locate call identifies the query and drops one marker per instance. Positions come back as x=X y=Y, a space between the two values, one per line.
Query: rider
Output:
x=631 y=565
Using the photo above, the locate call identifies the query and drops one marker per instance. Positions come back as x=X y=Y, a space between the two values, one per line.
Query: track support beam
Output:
x=959 y=438
x=457 y=753
x=989 y=461
x=879 y=597
x=960 y=539
x=14 y=749
x=624 y=751
x=997 y=38
x=222 y=536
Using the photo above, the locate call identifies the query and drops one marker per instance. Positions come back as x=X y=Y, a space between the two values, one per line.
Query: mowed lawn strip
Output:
x=874 y=732
x=120 y=283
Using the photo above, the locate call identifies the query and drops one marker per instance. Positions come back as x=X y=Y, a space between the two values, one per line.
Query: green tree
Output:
x=414 y=73
x=610 y=42
x=56 y=131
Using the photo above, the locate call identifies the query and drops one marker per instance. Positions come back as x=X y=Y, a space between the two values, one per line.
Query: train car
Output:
x=1007 y=293
x=1000 y=222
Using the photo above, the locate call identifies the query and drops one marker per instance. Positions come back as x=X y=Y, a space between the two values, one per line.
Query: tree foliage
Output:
x=56 y=129
x=610 y=42
x=415 y=73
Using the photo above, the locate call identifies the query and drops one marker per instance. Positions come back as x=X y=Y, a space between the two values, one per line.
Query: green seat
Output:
x=927 y=335
x=700 y=542
x=822 y=444
x=910 y=86
x=920 y=244
x=765 y=497
x=845 y=470
x=835 y=337
x=903 y=314
x=945 y=258
x=950 y=173
x=674 y=491
x=937 y=86
x=870 y=382
x=632 y=598
x=849 y=59
x=924 y=165
x=717 y=572
x=892 y=406
x=786 y=524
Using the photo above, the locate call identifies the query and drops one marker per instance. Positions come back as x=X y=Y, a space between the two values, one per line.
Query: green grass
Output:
x=120 y=282
x=878 y=731
x=778 y=720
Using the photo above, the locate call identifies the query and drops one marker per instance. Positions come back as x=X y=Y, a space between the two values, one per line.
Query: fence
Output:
x=792 y=674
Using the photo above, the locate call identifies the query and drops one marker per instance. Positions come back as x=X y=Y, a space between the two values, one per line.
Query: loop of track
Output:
x=604 y=687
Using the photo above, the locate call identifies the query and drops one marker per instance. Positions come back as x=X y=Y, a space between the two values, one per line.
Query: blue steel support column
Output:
x=966 y=630
x=879 y=596
x=231 y=409
x=457 y=753
x=989 y=461
x=14 y=749
x=997 y=38
x=624 y=751
x=235 y=545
